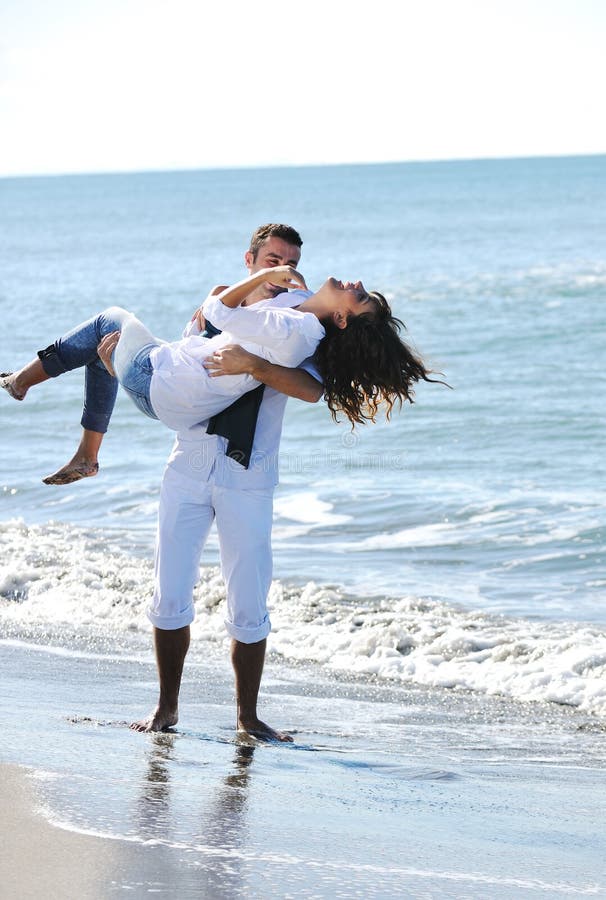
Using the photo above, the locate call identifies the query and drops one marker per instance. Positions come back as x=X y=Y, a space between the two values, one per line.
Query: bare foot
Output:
x=262 y=732
x=7 y=381
x=73 y=471
x=159 y=720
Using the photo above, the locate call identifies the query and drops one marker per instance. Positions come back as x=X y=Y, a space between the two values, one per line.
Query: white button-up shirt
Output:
x=199 y=456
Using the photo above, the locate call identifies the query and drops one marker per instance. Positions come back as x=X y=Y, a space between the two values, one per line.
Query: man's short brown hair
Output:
x=264 y=232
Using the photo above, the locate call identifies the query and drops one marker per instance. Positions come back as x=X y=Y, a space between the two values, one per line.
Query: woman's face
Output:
x=350 y=298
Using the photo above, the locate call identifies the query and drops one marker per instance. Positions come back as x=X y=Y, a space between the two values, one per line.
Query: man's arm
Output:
x=234 y=360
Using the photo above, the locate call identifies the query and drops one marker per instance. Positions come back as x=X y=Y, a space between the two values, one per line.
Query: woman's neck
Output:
x=312 y=305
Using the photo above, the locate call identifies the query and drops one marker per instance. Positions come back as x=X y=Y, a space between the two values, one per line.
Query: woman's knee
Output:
x=113 y=318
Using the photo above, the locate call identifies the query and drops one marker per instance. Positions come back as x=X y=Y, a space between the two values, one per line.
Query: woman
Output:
x=358 y=351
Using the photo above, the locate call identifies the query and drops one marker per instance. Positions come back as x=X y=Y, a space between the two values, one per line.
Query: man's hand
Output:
x=105 y=349
x=234 y=360
x=231 y=360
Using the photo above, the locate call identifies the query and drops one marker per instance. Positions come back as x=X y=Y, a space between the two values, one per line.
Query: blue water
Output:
x=490 y=496
x=457 y=551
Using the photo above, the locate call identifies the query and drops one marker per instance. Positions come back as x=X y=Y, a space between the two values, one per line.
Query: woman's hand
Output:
x=198 y=316
x=284 y=276
x=230 y=360
x=105 y=349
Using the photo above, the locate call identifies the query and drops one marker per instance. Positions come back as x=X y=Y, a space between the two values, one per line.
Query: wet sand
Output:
x=386 y=792
x=38 y=859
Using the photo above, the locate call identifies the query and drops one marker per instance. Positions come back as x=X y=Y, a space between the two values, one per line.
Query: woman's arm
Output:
x=283 y=335
x=280 y=276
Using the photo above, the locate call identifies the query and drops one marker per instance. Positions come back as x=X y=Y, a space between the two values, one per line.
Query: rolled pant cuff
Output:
x=170 y=623
x=51 y=362
x=95 y=422
x=249 y=635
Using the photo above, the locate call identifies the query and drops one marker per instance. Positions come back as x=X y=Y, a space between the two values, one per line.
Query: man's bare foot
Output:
x=159 y=720
x=262 y=732
x=7 y=381
x=73 y=471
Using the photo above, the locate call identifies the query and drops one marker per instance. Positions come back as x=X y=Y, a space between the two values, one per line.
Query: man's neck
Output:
x=255 y=296
x=261 y=292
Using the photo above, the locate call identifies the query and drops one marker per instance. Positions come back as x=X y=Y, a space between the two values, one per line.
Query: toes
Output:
x=62 y=478
x=59 y=479
x=7 y=384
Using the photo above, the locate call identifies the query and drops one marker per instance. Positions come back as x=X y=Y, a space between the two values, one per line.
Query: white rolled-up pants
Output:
x=244 y=519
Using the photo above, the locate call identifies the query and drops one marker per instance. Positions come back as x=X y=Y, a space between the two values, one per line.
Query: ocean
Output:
x=458 y=549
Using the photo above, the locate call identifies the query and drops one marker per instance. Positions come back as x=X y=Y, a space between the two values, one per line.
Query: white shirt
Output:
x=182 y=392
x=198 y=456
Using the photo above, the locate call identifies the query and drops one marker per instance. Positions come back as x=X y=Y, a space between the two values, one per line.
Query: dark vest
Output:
x=237 y=422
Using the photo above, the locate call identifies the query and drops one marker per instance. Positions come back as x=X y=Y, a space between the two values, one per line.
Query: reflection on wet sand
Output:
x=227 y=828
x=153 y=807
x=223 y=828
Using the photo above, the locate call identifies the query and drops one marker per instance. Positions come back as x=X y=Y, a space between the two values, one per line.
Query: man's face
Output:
x=274 y=252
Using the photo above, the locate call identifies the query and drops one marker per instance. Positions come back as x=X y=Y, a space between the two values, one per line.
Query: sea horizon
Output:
x=302 y=166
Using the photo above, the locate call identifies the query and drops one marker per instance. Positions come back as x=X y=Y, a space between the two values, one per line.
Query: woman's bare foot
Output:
x=73 y=471
x=159 y=720
x=83 y=463
x=262 y=732
x=7 y=381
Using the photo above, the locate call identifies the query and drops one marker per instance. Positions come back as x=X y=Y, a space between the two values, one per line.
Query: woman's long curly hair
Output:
x=367 y=365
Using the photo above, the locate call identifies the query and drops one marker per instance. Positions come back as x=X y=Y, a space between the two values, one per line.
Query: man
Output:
x=202 y=484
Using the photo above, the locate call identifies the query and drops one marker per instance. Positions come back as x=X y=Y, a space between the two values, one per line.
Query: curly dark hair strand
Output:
x=367 y=365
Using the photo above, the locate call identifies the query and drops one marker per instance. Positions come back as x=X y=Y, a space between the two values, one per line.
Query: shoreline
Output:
x=491 y=796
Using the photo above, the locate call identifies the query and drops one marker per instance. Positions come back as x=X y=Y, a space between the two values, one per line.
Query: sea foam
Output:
x=56 y=574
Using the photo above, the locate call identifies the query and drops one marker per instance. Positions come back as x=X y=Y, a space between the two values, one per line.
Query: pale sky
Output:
x=122 y=85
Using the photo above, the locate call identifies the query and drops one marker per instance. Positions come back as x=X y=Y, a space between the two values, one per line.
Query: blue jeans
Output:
x=78 y=348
